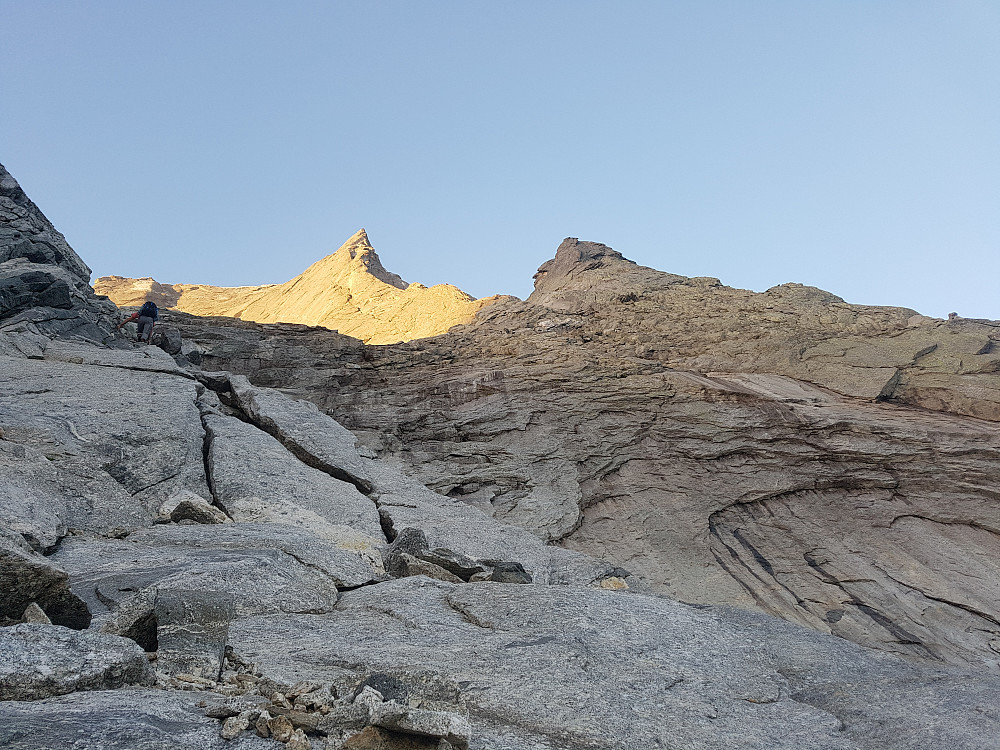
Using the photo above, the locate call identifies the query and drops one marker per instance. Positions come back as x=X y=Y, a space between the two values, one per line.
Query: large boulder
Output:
x=39 y=661
x=28 y=578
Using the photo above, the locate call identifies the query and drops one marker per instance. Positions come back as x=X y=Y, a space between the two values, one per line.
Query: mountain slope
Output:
x=349 y=291
x=828 y=463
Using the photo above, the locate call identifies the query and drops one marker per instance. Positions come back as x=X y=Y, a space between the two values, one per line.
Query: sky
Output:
x=853 y=146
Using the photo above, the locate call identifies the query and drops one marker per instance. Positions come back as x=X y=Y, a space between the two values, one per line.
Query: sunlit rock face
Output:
x=348 y=291
x=832 y=464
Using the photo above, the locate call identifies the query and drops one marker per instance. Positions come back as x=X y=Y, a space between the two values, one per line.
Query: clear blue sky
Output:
x=854 y=146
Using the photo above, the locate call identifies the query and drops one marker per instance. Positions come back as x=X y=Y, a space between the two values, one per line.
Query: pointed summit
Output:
x=349 y=291
x=362 y=256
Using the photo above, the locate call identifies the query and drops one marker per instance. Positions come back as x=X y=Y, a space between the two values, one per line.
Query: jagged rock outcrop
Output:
x=348 y=291
x=314 y=594
x=736 y=448
x=44 y=285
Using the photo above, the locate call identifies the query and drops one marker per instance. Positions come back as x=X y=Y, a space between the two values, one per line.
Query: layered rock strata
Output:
x=349 y=291
x=831 y=464
x=43 y=282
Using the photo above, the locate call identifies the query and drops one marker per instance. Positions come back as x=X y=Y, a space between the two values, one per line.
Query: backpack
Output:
x=149 y=310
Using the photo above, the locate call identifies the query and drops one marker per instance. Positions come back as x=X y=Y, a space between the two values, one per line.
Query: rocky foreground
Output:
x=191 y=559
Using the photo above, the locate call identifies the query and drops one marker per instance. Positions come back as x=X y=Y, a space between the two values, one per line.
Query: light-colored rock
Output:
x=258 y=565
x=35 y=615
x=348 y=291
x=674 y=427
x=39 y=661
x=421 y=722
x=298 y=741
x=192 y=629
x=125 y=719
x=280 y=728
x=234 y=726
x=117 y=441
x=663 y=422
x=278 y=479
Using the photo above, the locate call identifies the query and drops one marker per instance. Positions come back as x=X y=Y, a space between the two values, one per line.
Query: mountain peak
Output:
x=358 y=255
x=349 y=291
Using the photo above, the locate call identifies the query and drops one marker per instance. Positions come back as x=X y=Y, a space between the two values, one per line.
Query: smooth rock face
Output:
x=278 y=479
x=38 y=661
x=241 y=561
x=348 y=291
x=105 y=441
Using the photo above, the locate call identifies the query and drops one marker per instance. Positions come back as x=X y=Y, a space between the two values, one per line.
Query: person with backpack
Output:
x=146 y=317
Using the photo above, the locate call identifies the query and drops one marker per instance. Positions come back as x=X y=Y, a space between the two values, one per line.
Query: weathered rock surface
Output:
x=27 y=578
x=44 y=285
x=348 y=291
x=734 y=447
x=39 y=661
x=573 y=667
x=247 y=562
x=97 y=442
x=279 y=481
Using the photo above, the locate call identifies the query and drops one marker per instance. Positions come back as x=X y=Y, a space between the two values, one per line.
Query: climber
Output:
x=147 y=316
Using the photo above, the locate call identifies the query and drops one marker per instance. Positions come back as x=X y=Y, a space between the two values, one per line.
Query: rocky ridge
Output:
x=349 y=291
x=226 y=566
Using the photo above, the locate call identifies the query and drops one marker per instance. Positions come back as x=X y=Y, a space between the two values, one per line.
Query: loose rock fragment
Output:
x=234 y=726
x=280 y=728
x=298 y=741
x=36 y=614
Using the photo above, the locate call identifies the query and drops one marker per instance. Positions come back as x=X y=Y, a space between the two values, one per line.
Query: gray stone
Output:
x=310 y=434
x=462 y=566
x=126 y=719
x=197 y=510
x=26 y=578
x=507 y=572
x=192 y=628
x=234 y=706
x=663 y=424
x=251 y=470
x=247 y=561
x=168 y=339
x=118 y=440
x=451 y=727
x=38 y=661
x=40 y=274
x=403 y=564
x=234 y=726
x=611 y=670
